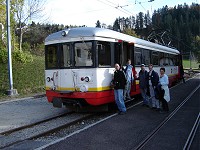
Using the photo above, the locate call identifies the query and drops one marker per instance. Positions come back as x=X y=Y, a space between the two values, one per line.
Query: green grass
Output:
x=194 y=64
x=28 y=78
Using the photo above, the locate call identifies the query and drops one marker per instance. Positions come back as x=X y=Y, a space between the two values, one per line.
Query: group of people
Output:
x=153 y=87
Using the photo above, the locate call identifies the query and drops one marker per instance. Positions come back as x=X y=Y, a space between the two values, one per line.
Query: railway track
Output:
x=130 y=104
x=40 y=128
x=192 y=134
x=143 y=143
x=45 y=127
x=30 y=132
x=32 y=124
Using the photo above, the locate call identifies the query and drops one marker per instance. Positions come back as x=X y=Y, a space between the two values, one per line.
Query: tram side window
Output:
x=154 y=58
x=165 y=59
x=104 y=54
x=138 y=56
x=146 y=56
x=161 y=58
x=65 y=55
x=176 y=60
x=51 y=56
x=117 y=52
x=83 y=54
x=171 y=61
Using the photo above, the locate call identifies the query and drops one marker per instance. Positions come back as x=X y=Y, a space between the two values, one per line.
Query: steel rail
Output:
x=192 y=134
x=33 y=124
x=85 y=128
x=16 y=141
x=153 y=133
x=26 y=127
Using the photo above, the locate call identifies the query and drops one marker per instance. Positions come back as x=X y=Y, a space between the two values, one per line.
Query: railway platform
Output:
x=142 y=127
x=22 y=112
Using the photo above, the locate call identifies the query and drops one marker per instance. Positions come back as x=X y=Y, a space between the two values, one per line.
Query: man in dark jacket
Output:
x=119 y=82
x=143 y=83
x=153 y=82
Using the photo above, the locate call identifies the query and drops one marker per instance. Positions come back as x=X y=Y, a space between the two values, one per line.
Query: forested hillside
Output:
x=179 y=26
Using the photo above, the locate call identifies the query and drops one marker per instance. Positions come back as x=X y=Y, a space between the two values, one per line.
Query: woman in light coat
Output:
x=164 y=81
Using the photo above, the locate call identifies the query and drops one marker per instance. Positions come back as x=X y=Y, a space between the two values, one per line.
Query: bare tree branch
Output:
x=26 y=10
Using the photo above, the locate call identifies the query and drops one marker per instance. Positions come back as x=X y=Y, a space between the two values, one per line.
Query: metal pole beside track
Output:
x=11 y=91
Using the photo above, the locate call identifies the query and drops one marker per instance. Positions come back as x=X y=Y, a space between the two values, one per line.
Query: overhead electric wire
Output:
x=118 y=6
x=115 y=6
x=140 y=4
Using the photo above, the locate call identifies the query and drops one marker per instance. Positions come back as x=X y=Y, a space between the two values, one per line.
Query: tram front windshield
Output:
x=65 y=55
x=83 y=54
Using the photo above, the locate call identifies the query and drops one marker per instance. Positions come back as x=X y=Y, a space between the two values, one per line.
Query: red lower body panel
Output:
x=92 y=98
x=172 y=80
x=95 y=98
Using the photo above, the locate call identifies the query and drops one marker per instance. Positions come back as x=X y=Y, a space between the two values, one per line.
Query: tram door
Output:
x=130 y=55
x=123 y=52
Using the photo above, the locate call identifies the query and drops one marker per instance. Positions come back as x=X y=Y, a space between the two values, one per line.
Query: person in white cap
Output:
x=143 y=84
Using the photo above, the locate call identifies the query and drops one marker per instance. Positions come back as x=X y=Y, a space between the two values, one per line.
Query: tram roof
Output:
x=83 y=32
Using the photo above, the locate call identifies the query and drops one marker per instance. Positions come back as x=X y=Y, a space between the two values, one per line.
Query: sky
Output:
x=87 y=12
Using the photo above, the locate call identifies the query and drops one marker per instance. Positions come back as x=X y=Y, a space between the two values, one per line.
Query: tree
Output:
x=110 y=27
x=25 y=11
x=2 y=20
x=147 y=20
x=196 y=47
x=2 y=12
x=141 y=20
x=130 y=32
x=122 y=23
x=132 y=22
x=137 y=23
x=104 y=25
x=98 y=24
x=116 y=26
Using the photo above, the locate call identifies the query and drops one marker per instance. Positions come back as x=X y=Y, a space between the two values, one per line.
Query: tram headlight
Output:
x=83 y=88
x=48 y=79
x=82 y=78
x=87 y=79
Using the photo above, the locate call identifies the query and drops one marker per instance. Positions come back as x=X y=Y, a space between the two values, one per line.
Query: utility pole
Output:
x=11 y=91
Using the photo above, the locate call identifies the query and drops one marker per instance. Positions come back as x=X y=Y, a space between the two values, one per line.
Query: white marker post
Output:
x=11 y=91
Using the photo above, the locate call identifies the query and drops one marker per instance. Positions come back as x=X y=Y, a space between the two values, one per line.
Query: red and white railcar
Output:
x=79 y=64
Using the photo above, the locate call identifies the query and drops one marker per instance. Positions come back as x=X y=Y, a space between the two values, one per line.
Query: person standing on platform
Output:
x=129 y=79
x=143 y=83
x=153 y=82
x=163 y=82
x=119 y=82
